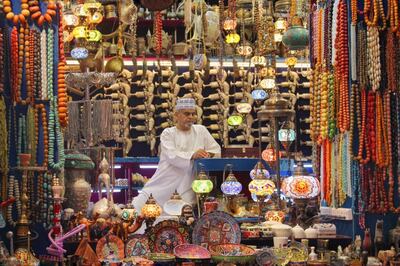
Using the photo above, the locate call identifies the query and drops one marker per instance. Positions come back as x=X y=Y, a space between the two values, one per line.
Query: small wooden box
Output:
x=238 y=151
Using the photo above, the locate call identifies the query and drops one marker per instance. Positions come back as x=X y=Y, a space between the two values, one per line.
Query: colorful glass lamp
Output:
x=301 y=187
x=201 y=186
x=261 y=188
x=231 y=186
x=150 y=211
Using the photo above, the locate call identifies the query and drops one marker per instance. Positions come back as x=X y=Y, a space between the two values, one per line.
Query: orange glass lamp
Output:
x=301 y=187
x=150 y=211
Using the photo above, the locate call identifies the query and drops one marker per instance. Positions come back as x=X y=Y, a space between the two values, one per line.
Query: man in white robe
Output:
x=180 y=145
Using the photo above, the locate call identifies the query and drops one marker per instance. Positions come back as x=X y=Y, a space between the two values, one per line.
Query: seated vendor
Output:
x=180 y=145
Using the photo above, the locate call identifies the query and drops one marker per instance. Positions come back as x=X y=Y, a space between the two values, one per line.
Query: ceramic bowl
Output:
x=235 y=253
x=192 y=252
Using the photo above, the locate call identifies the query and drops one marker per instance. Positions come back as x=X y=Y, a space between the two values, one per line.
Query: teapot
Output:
x=298 y=232
x=311 y=232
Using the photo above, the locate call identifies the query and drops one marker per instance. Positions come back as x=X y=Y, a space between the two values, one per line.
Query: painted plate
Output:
x=191 y=252
x=110 y=248
x=166 y=235
x=137 y=245
x=216 y=228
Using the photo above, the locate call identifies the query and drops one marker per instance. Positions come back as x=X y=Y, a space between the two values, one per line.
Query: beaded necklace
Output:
x=2 y=61
x=362 y=56
x=40 y=17
x=341 y=68
x=373 y=57
x=55 y=134
x=394 y=123
x=43 y=63
x=23 y=53
x=391 y=61
x=3 y=147
x=12 y=16
x=62 y=89
x=13 y=192
x=31 y=134
x=393 y=15
x=331 y=106
x=40 y=108
x=37 y=65
x=371 y=127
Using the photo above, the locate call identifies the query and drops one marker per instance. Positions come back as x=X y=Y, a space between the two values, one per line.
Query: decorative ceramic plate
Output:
x=110 y=248
x=137 y=245
x=235 y=253
x=160 y=257
x=192 y=252
x=166 y=235
x=265 y=257
x=216 y=228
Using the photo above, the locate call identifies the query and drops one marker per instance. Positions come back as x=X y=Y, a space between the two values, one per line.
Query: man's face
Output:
x=185 y=118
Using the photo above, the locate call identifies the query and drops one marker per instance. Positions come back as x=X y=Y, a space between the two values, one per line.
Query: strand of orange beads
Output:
x=393 y=15
x=38 y=16
x=158 y=32
x=379 y=126
x=382 y=15
x=23 y=54
x=14 y=17
x=62 y=89
x=40 y=108
x=14 y=63
x=371 y=12
x=354 y=12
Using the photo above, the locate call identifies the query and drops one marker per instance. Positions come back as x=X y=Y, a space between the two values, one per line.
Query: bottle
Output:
x=312 y=256
x=367 y=243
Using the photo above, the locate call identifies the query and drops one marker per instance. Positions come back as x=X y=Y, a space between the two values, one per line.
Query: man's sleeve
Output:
x=177 y=158
x=211 y=145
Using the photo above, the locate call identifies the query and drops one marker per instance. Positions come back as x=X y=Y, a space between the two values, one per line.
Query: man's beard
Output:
x=189 y=124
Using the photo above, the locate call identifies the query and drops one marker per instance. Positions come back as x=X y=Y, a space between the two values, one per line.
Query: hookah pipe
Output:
x=56 y=247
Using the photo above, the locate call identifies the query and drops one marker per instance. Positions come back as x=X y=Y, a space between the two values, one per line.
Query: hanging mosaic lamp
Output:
x=259 y=169
x=259 y=94
x=231 y=186
x=301 y=185
x=260 y=186
x=202 y=185
x=151 y=209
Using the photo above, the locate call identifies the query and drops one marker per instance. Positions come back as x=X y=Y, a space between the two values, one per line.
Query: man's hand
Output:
x=200 y=154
